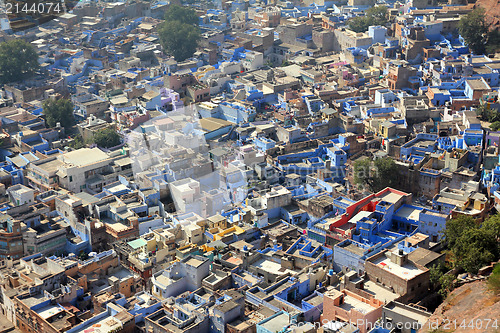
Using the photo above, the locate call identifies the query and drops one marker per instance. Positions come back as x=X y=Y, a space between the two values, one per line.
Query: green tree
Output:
x=376 y=175
x=455 y=228
x=493 y=41
x=359 y=23
x=285 y=63
x=373 y=16
x=58 y=111
x=486 y=113
x=494 y=280
x=378 y=15
x=77 y=142
x=474 y=30
x=181 y=14
x=482 y=112
x=493 y=224
x=362 y=172
x=473 y=251
x=447 y=282
x=495 y=126
x=18 y=61
x=472 y=245
x=436 y=272
x=387 y=171
x=179 y=33
x=106 y=138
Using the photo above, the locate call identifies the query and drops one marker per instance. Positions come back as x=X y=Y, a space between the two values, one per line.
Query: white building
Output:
x=21 y=195
x=250 y=156
x=279 y=196
x=186 y=195
x=73 y=171
x=185 y=275
x=80 y=165
x=190 y=225
x=235 y=177
x=253 y=60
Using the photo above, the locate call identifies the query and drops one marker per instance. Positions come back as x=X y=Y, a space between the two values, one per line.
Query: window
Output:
x=70 y=179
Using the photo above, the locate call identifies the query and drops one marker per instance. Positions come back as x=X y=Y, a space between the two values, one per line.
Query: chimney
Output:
x=399 y=257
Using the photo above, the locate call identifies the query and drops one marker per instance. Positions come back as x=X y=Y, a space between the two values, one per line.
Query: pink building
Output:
x=349 y=307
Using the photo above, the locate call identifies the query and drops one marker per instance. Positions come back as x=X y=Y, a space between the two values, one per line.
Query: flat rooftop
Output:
x=271 y=266
x=379 y=292
x=409 y=312
x=353 y=303
x=449 y=201
x=423 y=256
x=49 y=311
x=362 y=214
x=409 y=212
x=194 y=262
x=407 y=272
x=477 y=84
x=315 y=300
x=85 y=156
x=277 y=323
x=248 y=277
x=106 y=324
x=354 y=248
x=50 y=166
x=390 y=197
x=212 y=124
x=34 y=300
